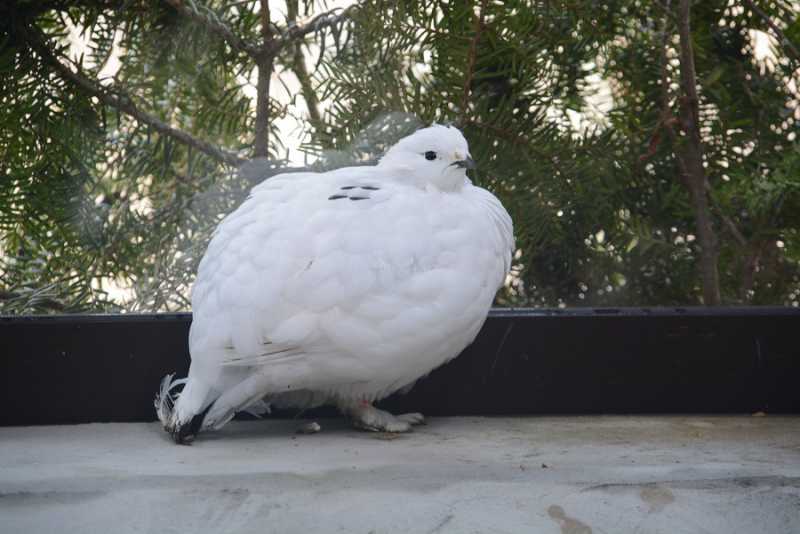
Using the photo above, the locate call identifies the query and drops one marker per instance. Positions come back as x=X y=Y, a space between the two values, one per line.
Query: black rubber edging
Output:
x=98 y=368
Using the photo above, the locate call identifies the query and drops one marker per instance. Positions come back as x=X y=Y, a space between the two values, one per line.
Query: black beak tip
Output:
x=468 y=163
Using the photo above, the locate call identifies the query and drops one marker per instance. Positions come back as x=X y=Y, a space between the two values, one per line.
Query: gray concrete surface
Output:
x=570 y=475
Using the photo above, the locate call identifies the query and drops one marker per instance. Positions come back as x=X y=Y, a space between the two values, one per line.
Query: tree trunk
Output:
x=264 y=60
x=261 y=143
x=690 y=152
x=301 y=71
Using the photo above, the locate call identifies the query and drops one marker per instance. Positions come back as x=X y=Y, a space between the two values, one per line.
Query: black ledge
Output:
x=98 y=368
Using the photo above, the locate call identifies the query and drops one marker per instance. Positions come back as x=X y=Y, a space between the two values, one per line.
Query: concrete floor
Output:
x=456 y=475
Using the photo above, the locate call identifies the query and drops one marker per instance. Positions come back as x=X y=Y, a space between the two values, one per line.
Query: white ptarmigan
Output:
x=342 y=287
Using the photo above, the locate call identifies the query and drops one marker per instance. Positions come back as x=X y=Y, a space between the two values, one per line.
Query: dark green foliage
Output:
x=90 y=194
x=600 y=220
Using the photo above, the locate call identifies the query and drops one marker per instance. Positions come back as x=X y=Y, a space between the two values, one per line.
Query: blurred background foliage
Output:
x=129 y=128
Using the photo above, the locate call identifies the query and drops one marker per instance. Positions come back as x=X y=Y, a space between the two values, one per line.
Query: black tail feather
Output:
x=185 y=434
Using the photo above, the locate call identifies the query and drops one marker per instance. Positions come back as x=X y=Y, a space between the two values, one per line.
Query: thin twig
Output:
x=120 y=100
x=301 y=71
x=265 y=61
x=266 y=31
x=472 y=58
x=210 y=20
x=666 y=119
x=690 y=102
x=321 y=21
x=737 y=235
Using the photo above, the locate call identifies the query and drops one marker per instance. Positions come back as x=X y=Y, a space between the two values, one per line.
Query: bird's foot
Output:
x=367 y=417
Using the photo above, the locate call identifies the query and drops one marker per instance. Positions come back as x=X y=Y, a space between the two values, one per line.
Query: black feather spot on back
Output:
x=347 y=187
x=359 y=198
x=370 y=187
x=336 y=197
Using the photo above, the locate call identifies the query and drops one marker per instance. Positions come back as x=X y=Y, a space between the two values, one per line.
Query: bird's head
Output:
x=436 y=156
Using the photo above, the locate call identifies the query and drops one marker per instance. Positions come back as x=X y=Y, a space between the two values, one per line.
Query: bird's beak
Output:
x=468 y=163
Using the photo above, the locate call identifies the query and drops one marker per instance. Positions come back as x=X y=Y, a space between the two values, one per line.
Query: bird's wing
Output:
x=269 y=353
x=292 y=250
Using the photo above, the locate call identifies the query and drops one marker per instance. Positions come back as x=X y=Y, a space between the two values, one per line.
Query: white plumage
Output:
x=342 y=287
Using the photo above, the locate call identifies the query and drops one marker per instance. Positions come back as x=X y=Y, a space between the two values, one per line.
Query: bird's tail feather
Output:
x=183 y=413
x=184 y=423
x=165 y=400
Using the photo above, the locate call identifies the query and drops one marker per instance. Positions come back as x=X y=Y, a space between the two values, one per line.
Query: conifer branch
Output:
x=119 y=99
x=273 y=40
x=33 y=300
x=281 y=37
x=518 y=139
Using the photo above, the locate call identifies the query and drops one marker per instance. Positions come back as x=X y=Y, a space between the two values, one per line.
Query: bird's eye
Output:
x=430 y=155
